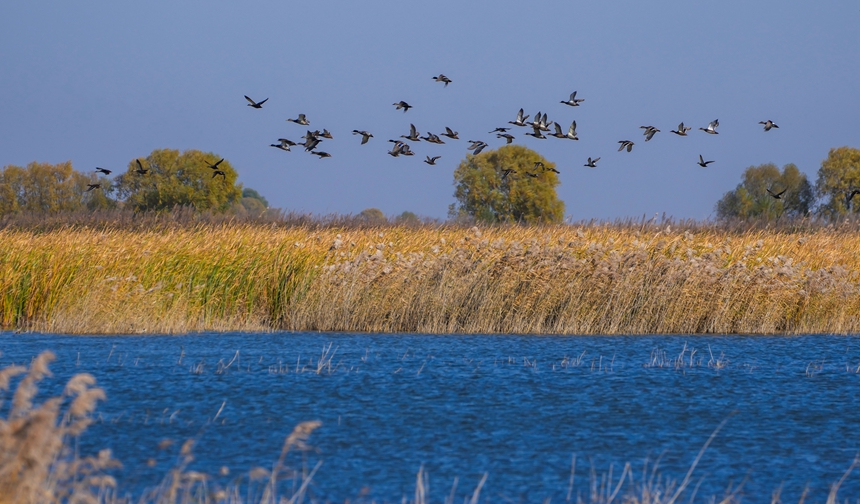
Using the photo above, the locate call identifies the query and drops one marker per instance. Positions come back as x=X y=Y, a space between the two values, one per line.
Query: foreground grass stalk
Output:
x=588 y=279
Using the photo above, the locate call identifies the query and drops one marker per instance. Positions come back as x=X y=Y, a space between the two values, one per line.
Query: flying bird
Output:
x=573 y=102
x=140 y=169
x=102 y=170
x=703 y=163
x=507 y=136
x=571 y=132
x=451 y=133
x=520 y=120
x=365 y=136
x=302 y=119
x=431 y=160
x=536 y=133
x=850 y=197
x=219 y=173
x=768 y=125
x=592 y=163
x=507 y=172
x=558 y=133
x=213 y=166
x=90 y=187
x=413 y=134
x=649 y=132
x=402 y=105
x=255 y=104
x=682 y=131
x=777 y=195
x=532 y=175
x=321 y=154
x=325 y=134
x=500 y=130
x=477 y=146
x=284 y=144
x=311 y=143
x=442 y=78
x=712 y=127
x=625 y=144
x=431 y=138
x=544 y=125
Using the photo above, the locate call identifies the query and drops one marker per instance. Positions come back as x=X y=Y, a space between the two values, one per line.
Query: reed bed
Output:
x=591 y=278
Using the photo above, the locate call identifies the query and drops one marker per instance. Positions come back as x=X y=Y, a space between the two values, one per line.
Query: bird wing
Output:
x=573 y=97
x=413 y=132
x=250 y=100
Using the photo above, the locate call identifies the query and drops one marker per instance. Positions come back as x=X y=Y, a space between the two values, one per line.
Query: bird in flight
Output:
x=311 y=142
x=507 y=172
x=431 y=160
x=573 y=102
x=543 y=167
x=302 y=119
x=219 y=173
x=649 y=132
x=325 y=134
x=321 y=154
x=365 y=136
x=507 y=136
x=284 y=144
x=592 y=163
x=102 y=170
x=442 y=78
x=400 y=148
x=712 y=127
x=520 y=120
x=214 y=166
x=702 y=162
x=255 y=104
x=402 y=105
x=432 y=138
x=682 y=131
x=558 y=133
x=413 y=134
x=768 y=125
x=140 y=170
x=476 y=146
x=90 y=187
x=776 y=195
x=500 y=130
x=571 y=132
x=532 y=175
x=451 y=133
x=850 y=197
x=536 y=133
x=625 y=144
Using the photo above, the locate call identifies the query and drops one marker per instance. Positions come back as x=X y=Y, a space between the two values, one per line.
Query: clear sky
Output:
x=103 y=82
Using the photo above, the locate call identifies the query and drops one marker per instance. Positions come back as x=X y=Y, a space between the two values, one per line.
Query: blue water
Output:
x=515 y=407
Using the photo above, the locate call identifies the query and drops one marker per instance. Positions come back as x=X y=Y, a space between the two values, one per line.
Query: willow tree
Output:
x=509 y=184
x=168 y=178
x=838 y=177
x=750 y=199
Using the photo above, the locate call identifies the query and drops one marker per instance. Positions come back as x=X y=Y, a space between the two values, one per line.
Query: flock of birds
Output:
x=540 y=125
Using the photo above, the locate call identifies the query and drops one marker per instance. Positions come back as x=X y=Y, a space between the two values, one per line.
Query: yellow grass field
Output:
x=569 y=279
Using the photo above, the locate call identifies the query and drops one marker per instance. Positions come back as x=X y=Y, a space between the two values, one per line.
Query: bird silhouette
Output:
x=431 y=160
x=413 y=134
x=625 y=144
x=702 y=162
x=649 y=132
x=499 y=130
x=507 y=136
x=219 y=173
x=850 y=197
x=302 y=119
x=402 y=105
x=507 y=172
x=90 y=187
x=712 y=127
x=573 y=102
x=140 y=169
x=476 y=146
x=442 y=78
x=431 y=138
x=682 y=131
x=520 y=120
x=255 y=104
x=451 y=133
x=326 y=134
x=321 y=154
x=532 y=175
x=102 y=170
x=214 y=166
x=284 y=144
x=592 y=163
x=776 y=195
x=768 y=125
x=365 y=136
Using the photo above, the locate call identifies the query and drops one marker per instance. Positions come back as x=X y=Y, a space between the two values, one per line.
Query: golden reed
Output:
x=619 y=278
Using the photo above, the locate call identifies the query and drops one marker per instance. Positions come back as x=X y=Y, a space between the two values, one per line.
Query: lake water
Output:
x=515 y=407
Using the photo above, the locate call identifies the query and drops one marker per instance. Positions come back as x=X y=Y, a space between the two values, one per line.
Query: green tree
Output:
x=51 y=188
x=484 y=193
x=407 y=217
x=252 y=202
x=750 y=198
x=183 y=179
x=838 y=176
x=372 y=216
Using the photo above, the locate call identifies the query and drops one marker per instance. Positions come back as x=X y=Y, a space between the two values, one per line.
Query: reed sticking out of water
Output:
x=588 y=279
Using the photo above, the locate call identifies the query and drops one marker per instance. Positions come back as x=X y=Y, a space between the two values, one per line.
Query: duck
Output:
x=413 y=134
x=140 y=169
x=321 y=154
x=776 y=195
x=499 y=130
x=302 y=119
x=325 y=134
x=283 y=144
x=850 y=197
x=520 y=120
x=507 y=136
x=592 y=163
x=431 y=138
x=682 y=131
x=712 y=127
x=402 y=105
x=102 y=170
x=213 y=166
x=558 y=133
x=90 y=187
x=536 y=133
x=649 y=132
x=768 y=125
x=571 y=132
x=625 y=144
x=442 y=78
x=573 y=101
x=702 y=162
x=431 y=160
x=451 y=133
x=365 y=136
x=544 y=125
x=254 y=104
x=477 y=147
x=219 y=173
x=507 y=172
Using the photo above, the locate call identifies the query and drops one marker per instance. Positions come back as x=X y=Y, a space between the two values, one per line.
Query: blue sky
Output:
x=101 y=83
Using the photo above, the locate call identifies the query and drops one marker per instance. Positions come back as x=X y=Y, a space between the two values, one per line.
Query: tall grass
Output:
x=592 y=278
